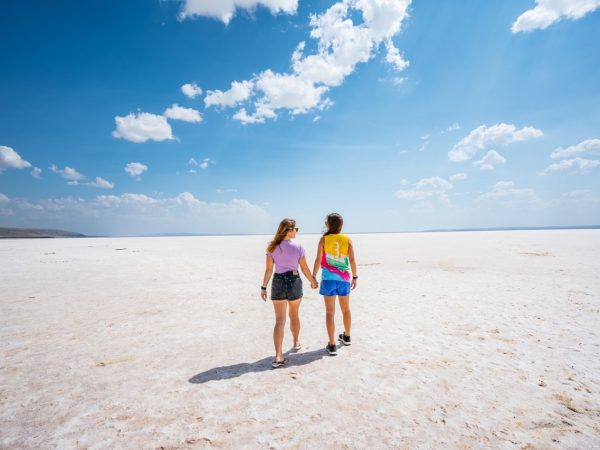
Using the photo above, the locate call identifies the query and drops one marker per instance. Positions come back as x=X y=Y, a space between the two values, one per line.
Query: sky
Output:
x=225 y=116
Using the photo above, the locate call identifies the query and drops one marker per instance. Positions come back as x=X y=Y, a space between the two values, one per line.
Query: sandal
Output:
x=275 y=364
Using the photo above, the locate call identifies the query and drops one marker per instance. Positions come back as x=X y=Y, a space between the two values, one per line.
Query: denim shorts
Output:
x=332 y=288
x=286 y=286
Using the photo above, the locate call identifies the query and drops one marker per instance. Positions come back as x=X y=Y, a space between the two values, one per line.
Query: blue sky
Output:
x=198 y=116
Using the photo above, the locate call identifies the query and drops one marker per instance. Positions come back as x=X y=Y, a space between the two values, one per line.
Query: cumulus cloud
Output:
x=458 y=176
x=589 y=146
x=393 y=56
x=191 y=90
x=575 y=165
x=490 y=160
x=177 y=112
x=224 y=10
x=142 y=127
x=68 y=173
x=36 y=172
x=4 y=198
x=434 y=187
x=547 y=12
x=101 y=183
x=501 y=134
x=138 y=214
x=136 y=169
x=341 y=46
x=10 y=159
x=239 y=92
x=506 y=192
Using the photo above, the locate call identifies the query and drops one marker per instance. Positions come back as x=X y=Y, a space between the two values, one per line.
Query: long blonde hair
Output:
x=285 y=226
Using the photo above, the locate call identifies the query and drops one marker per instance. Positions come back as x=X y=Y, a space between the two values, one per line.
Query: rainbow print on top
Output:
x=335 y=262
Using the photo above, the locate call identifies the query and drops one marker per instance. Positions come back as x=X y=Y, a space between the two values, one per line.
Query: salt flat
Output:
x=460 y=340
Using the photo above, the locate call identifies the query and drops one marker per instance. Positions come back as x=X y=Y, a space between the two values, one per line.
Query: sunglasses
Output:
x=295 y=229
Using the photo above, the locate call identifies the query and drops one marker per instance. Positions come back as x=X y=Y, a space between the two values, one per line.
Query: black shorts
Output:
x=286 y=286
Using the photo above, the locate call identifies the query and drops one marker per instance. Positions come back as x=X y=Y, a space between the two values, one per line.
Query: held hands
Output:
x=263 y=294
x=353 y=283
x=314 y=283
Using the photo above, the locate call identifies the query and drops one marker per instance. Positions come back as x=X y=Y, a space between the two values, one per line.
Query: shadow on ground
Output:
x=236 y=370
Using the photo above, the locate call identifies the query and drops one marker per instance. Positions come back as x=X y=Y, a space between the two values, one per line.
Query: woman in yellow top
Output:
x=335 y=257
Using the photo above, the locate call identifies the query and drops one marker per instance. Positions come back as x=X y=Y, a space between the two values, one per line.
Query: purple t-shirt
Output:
x=286 y=256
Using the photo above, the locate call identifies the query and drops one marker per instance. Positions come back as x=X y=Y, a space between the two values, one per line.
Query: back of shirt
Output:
x=335 y=262
x=286 y=256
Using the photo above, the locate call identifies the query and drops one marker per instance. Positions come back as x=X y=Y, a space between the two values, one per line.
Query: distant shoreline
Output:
x=34 y=233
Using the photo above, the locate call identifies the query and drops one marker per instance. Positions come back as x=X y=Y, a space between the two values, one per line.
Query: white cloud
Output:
x=589 y=146
x=224 y=10
x=5 y=209
x=458 y=176
x=36 y=172
x=203 y=165
x=501 y=134
x=341 y=45
x=454 y=127
x=575 y=165
x=239 y=92
x=135 y=169
x=9 y=159
x=142 y=127
x=68 y=173
x=490 y=160
x=425 y=188
x=138 y=214
x=225 y=191
x=101 y=183
x=579 y=196
x=397 y=81
x=288 y=91
x=404 y=182
x=547 y=12
x=393 y=56
x=177 y=112
x=191 y=90
x=506 y=191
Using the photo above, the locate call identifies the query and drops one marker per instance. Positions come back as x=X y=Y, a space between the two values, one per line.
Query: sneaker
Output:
x=345 y=339
x=331 y=349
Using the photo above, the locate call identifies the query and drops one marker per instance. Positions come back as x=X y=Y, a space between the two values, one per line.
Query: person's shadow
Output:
x=236 y=370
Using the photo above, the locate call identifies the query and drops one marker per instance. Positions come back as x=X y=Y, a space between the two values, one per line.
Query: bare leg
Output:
x=345 y=307
x=295 y=319
x=280 y=307
x=329 y=318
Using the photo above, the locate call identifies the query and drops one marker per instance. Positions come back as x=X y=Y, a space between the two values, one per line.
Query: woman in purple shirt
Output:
x=285 y=255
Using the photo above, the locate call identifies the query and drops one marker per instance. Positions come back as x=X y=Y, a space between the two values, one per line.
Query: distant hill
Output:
x=36 y=233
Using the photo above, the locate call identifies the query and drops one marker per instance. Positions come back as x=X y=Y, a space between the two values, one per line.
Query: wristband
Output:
x=355 y=277
x=262 y=288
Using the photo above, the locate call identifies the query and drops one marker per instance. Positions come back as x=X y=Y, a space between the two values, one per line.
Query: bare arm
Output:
x=318 y=257
x=267 y=277
x=352 y=262
x=306 y=272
